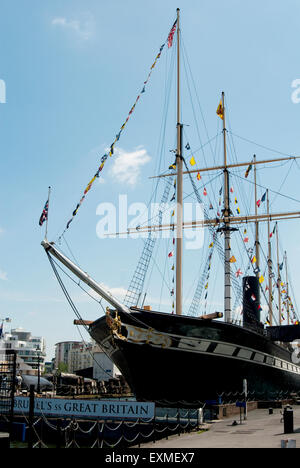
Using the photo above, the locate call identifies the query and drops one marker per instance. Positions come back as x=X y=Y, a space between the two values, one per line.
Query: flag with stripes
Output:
x=44 y=214
x=171 y=34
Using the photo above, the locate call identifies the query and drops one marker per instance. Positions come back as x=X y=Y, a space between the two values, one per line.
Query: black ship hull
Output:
x=171 y=359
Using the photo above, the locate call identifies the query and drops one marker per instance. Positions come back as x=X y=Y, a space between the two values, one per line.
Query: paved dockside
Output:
x=260 y=430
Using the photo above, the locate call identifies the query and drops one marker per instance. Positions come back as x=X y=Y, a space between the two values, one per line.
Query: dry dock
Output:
x=260 y=430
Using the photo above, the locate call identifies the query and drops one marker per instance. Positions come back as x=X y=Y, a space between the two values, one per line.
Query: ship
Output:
x=178 y=359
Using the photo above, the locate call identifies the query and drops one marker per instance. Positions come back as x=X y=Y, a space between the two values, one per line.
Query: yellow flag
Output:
x=261 y=279
x=220 y=110
x=192 y=161
x=210 y=245
x=232 y=259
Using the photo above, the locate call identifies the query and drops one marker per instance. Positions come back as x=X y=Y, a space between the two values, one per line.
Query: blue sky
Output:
x=72 y=71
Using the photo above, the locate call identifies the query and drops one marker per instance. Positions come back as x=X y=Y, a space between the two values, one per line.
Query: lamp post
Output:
x=38 y=351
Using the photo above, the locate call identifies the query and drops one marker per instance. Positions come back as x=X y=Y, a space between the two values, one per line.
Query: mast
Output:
x=269 y=264
x=179 y=184
x=287 y=288
x=278 y=275
x=226 y=228
x=257 y=253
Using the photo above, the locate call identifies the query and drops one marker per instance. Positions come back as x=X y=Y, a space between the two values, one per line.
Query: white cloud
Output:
x=3 y=275
x=83 y=28
x=127 y=165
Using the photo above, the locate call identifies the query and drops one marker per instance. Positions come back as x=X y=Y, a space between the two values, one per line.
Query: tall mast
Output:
x=269 y=264
x=287 y=288
x=278 y=275
x=227 y=269
x=179 y=184
x=257 y=253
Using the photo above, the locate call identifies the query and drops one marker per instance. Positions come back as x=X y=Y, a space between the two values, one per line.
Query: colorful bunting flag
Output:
x=248 y=170
x=198 y=176
x=261 y=279
x=232 y=259
x=111 y=152
x=273 y=232
x=192 y=161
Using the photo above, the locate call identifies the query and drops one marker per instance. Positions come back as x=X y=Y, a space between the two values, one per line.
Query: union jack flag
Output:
x=44 y=214
x=171 y=35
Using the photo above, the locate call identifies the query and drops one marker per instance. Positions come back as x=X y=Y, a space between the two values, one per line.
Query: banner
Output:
x=87 y=408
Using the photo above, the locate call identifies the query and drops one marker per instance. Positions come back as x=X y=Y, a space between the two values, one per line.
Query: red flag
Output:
x=171 y=35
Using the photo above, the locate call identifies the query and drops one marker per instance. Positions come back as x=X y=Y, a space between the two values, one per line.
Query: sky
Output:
x=70 y=72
